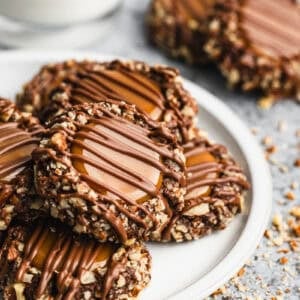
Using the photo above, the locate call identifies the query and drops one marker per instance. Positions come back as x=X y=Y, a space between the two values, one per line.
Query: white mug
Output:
x=56 y=12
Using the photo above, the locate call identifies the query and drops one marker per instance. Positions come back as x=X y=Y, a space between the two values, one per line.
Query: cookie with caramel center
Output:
x=156 y=91
x=180 y=27
x=19 y=136
x=257 y=45
x=46 y=260
x=215 y=191
x=111 y=172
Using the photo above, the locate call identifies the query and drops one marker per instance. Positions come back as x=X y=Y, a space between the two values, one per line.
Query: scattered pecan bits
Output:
x=283 y=248
x=279 y=250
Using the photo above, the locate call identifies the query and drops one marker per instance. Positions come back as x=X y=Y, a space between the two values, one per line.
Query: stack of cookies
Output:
x=97 y=158
x=255 y=44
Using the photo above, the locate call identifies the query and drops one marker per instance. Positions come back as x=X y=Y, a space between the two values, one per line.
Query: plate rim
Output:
x=261 y=179
x=261 y=206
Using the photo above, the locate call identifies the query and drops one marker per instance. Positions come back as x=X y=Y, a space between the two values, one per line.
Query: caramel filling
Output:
x=115 y=159
x=194 y=9
x=201 y=165
x=16 y=146
x=273 y=26
x=125 y=86
x=49 y=240
x=56 y=253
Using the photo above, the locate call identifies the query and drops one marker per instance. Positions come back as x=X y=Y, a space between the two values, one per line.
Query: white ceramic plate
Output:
x=190 y=270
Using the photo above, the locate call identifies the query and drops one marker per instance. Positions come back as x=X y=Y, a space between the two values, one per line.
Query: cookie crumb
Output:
x=265 y=103
x=290 y=195
x=297 y=163
x=295 y=211
x=267 y=140
x=254 y=130
x=294 y=185
x=241 y=272
x=277 y=221
x=282 y=126
x=283 y=260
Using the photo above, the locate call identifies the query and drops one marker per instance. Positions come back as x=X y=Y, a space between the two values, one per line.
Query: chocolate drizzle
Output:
x=16 y=146
x=112 y=273
x=100 y=131
x=122 y=85
x=273 y=26
x=205 y=169
x=60 y=257
x=127 y=154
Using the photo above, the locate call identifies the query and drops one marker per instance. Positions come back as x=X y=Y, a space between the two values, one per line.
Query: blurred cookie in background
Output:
x=180 y=27
x=256 y=45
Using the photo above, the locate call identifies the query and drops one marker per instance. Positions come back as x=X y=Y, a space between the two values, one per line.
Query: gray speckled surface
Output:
x=127 y=39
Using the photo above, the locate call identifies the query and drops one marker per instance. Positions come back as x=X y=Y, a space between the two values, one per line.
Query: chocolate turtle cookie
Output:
x=109 y=171
x=215 y=190
x=257 y=45
x=45 y=260
x=156 y=91
x=180 y=27
x=36 y=94
x=19 y=136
